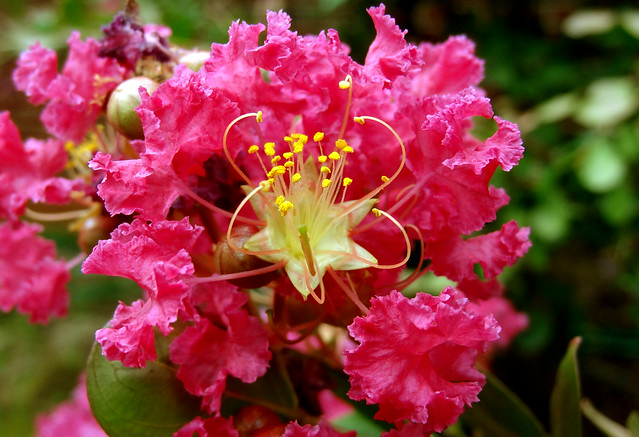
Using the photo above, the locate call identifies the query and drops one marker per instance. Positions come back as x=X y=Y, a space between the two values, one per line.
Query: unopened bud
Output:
x=194 y=60
x=227 y=260
x=122 y=103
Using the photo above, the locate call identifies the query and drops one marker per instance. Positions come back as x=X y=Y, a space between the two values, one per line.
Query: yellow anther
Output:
x=279 y=169
x=348 y=149
x=276 y=159
x=298 y=147
x=269 y=149
x=334 y=156
x=322 y=159
x=287 y=155
x=347 y=181
x=376 y=212
x=296 y=177
x=340 y=144
x=288 y=139
x=266 y=185
x=344 y=84
x=326 y=183
x=385 y=179
x=284 y=207
x=253 y=149
x=359 y=120
x=325 y=169
x=279 y=200
x=258 y=116
x=319 y=136
x=289 y=164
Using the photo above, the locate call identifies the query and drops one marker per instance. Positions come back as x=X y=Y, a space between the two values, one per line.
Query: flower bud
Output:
x=93 y=229
x=122 y=103
x=226 y=260
x=194 y=60
x=253 y=419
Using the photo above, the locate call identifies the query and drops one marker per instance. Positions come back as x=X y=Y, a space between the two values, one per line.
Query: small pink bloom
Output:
x=232 y=343
x=416 y=357
x=76 y=95
x=27 y=171
x=71 y=419
x=209 y=427
x=31 y=279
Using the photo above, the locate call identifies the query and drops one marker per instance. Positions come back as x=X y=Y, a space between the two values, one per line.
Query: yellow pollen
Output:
x=289 y=164
x=296 y=177
x=326 y=183
x=253 y=149
x=287 y=155
x=322 y=158
x=275 y=159
x=269 y=149
x=288 y=139
x=348 y=149
x=385 y=179
x=344 y=84
x=258 y=116
x=347 y=181
x=359 y=120
x=334 y=156
x=280 y=199
x=340 y=144
x=298 y=147
x=284 y=207
x=376 y=212
x=319 y=136
x=325 y=169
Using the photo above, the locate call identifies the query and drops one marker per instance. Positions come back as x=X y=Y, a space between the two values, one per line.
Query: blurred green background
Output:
x=565 y=71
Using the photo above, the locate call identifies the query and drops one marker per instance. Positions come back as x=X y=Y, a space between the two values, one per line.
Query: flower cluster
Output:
x=267 y=198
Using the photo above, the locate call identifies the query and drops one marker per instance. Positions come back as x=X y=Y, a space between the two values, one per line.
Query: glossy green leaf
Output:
x=138 y=402
x=565 y=411
x=500 y=413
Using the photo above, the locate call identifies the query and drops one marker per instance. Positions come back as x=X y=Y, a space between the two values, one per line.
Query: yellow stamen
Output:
x=276 y=159
x=285 y=207
x=347 y=181
x=322 y=159
x=334 y=156
x=340 y=144
x=296 y=177
x=325 y=169
x=253 y=149
x=269 y=149
x=385 y=179
x=287 y=155
x=326 y=183
x=319 y=136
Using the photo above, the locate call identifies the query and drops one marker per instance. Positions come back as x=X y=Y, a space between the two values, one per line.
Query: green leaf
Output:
x=565 y=411
x=500 y=413
x=138 y=402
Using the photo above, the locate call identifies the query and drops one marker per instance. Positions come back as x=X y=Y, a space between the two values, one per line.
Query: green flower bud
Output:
x=122 y=103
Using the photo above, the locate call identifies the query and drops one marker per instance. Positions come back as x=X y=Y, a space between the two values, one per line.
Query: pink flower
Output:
x=415 y=357
x=512 y=322
x=231 y=343
x=322 y=430
x=209 y=427
x=71 y=419
x=27 y=171
x=31 y=279
x=156 y=256
x=76 y=95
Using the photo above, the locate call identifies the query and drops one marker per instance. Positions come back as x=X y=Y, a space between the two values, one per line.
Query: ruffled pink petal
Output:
x=36 y=69
x=415 y=357
x=448 y=68
x=456 y=257
x=389 y=56
x=31 y=279
x=236 y=344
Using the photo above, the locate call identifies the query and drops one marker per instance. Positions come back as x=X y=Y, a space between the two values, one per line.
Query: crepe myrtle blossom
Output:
x=267 y=196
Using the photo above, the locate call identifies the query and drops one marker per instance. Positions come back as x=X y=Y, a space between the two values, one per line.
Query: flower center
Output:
x=307 y=221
